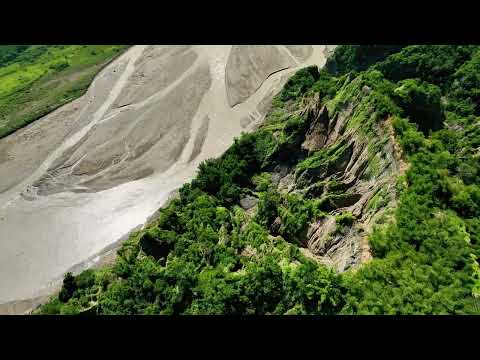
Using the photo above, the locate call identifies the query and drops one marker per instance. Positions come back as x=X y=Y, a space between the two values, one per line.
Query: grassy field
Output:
x=36 y=79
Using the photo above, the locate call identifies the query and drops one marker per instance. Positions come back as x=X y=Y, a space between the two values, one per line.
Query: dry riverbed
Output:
x=75 y=182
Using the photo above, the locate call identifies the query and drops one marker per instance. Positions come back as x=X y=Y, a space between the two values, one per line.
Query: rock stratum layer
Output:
x=345 y=155
x=82 y=177
x=359 y=170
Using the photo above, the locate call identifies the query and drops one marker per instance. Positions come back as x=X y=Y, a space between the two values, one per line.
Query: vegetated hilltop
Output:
x=36 y=79
x=358 y=195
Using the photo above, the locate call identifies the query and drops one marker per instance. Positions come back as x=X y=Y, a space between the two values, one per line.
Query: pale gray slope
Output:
x=79 y=179
x=249 y=66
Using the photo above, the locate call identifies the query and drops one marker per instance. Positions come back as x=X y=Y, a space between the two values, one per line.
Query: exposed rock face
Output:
x=341 y=250
x=279 y=172
x=275 y=227
x=355 y=171
x=248 y=202
x=317 y=133
x=318 y=240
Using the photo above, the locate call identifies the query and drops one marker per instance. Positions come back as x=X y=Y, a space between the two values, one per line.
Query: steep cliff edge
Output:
x=358 y=195
x=349 y=163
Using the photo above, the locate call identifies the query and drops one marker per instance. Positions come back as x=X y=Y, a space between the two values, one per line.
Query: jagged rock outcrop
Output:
x=275 y=227
x=248 y=202
x=317 y=134
x=337 y=248
x=350 y=166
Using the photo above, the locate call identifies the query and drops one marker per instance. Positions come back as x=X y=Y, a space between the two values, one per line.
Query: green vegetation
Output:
x=433 y=64
x=9 y=53
x=36 y=79
x=358 y=57
x=307 y=81
x=206 y=255
x=423 y=262
x=465 y=89
x=345 y=219
x=421 y=103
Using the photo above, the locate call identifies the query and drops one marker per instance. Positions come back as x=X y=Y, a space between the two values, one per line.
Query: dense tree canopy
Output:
x=207 y=255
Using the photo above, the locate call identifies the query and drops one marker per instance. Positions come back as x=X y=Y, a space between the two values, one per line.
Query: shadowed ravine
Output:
x=76 y=181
